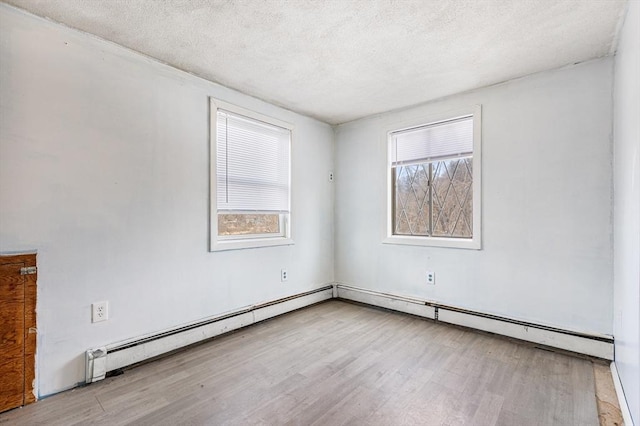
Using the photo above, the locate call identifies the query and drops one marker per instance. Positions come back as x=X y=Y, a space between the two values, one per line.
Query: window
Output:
x=434 y=182
x=249 y=179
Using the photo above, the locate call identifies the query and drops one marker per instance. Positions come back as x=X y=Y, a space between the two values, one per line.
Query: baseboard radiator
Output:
x=596 y=345
x=100 y=361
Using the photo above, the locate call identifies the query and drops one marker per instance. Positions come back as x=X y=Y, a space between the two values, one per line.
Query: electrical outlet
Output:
x=431 y=277
x=283 y=275
x=99 y=311
x=330 y=176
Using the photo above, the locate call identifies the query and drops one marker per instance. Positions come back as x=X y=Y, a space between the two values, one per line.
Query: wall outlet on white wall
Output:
x=431 y=277
x=283 y=275
x=99 y=311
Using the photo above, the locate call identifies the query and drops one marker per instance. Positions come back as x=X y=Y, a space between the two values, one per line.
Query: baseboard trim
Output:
x=622 y=400
x=102 y=360
x=596 y=345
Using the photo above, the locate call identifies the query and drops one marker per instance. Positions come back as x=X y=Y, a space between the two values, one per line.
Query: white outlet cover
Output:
x=99 y=311
x=431 y=277
x=283 y=275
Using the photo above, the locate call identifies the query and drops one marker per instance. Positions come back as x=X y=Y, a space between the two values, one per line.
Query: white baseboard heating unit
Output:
x=100 y=361
x=596 y=345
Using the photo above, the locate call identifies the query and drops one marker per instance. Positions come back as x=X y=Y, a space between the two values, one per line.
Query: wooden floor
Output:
x=338 y=363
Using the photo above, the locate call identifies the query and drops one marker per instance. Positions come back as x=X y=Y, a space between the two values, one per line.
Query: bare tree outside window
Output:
x=434 y=199
x=247 y=224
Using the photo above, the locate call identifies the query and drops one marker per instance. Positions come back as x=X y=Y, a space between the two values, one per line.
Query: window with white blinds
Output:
x=250 y=175
x=252 y=165
x=434 y=181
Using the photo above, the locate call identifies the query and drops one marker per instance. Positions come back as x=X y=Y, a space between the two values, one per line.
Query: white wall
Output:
x=547 y=187
x=626 y=108
x=104 y=171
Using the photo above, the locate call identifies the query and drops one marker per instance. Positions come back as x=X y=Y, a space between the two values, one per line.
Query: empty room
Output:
x=306 y=212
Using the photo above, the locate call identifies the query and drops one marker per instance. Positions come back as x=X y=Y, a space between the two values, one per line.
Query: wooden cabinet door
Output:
x=12 y=333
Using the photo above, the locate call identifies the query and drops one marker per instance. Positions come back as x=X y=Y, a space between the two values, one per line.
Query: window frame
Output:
x=448 y=242
x=245 y=241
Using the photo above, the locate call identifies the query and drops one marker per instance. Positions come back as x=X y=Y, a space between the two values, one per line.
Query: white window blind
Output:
x=252 y=165
x=438 y=141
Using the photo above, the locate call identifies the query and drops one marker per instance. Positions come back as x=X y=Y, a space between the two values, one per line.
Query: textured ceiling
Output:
x=339 y=60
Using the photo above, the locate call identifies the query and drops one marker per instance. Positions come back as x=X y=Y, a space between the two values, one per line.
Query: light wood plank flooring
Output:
x=338 y=363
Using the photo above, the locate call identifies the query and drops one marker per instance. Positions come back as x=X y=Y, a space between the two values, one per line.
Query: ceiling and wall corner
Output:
x=342 y=60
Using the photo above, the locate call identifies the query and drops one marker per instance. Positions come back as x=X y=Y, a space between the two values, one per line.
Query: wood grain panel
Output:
x=29 y=325
x=30 y=331
x=11 y=336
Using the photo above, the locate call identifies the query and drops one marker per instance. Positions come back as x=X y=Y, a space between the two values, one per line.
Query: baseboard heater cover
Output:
x=389 y=301
x=100 y=361
x=597 y=345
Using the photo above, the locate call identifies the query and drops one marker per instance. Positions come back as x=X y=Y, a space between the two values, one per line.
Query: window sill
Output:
x=473 y=244
x=224 y=245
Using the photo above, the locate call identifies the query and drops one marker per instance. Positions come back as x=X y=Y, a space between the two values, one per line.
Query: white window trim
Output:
x=464 y=243
x=222 y=243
